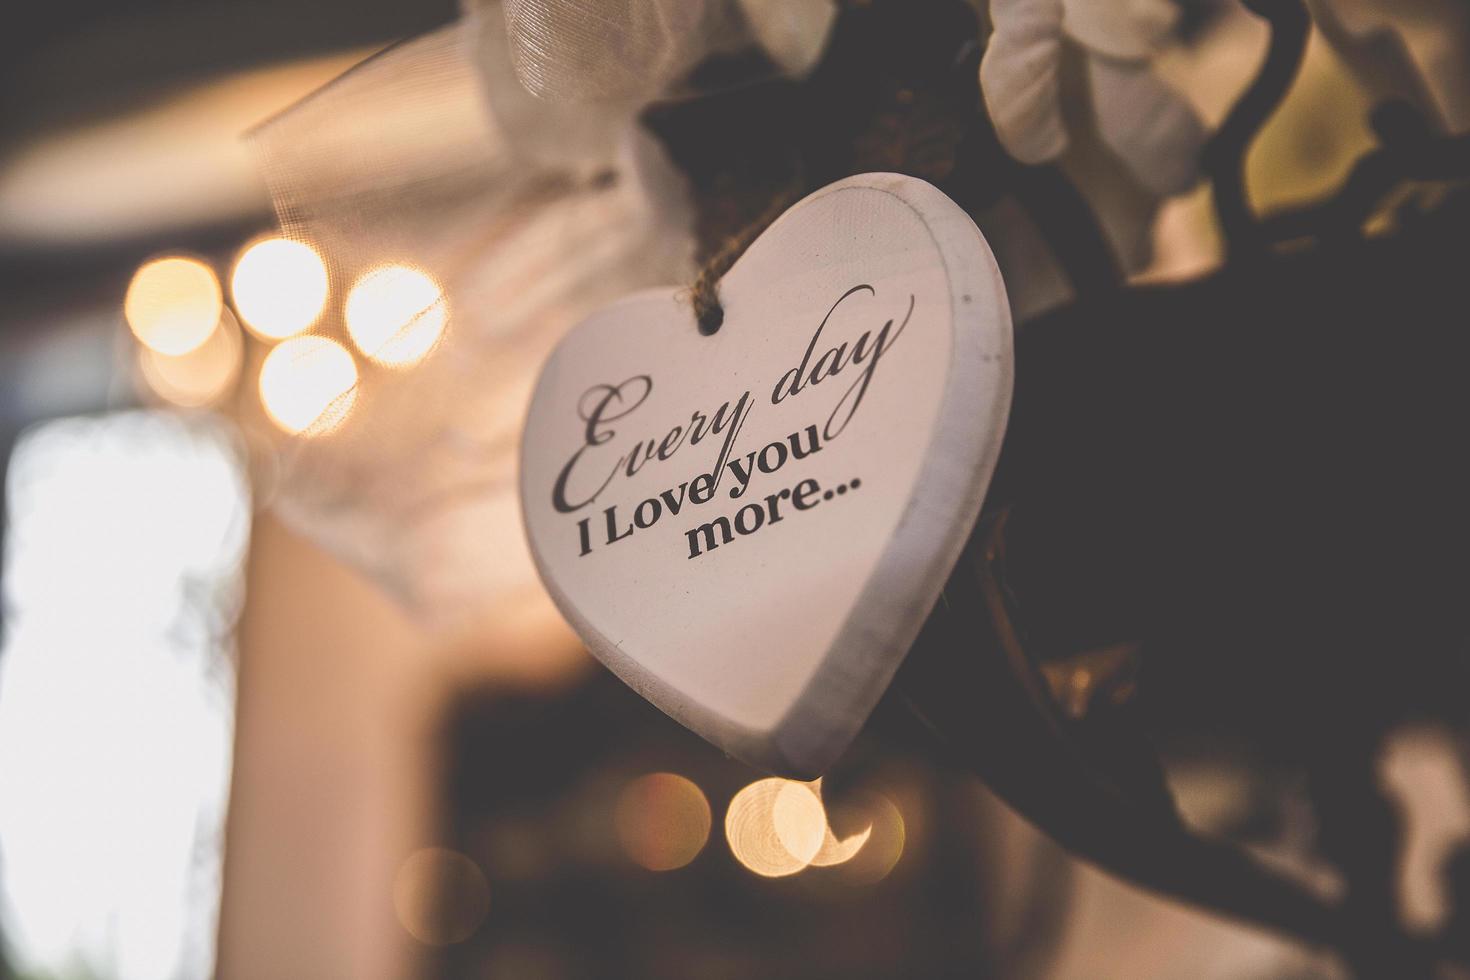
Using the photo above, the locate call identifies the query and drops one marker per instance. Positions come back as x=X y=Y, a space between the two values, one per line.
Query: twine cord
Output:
x=704 y=294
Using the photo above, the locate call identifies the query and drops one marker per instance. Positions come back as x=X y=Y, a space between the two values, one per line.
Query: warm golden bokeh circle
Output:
x=835 y=850
x=441 y=897
x=173 y=304
x=775 y=826
x=279 y=287
x=308 y=384
x=396 y=314
x=202 y=376
x=882 y=843
x=778 y=827
x=663 y=821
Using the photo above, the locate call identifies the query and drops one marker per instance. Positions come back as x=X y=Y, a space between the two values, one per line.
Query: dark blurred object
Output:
x=1214 y=533
x=1236 y=431
x=527 y=788
x=1236 y=473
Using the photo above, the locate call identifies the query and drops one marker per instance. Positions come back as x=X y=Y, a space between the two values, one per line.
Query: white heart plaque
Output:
x=750 y=527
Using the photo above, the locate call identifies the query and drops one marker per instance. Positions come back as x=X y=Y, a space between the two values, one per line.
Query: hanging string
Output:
x=704 y=294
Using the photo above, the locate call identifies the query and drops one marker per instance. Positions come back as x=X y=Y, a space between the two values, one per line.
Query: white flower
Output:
x=793 y=32
x=1150 y=127
x=628 y=52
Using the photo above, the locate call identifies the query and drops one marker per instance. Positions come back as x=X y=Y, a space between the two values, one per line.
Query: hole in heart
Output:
x=711 y=318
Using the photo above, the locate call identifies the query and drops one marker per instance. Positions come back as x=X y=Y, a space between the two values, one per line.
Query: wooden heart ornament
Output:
x=750 y=527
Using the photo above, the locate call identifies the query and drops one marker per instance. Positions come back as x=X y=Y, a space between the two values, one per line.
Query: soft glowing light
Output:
x=173 y=304
x=279 y=287
x=396 y=315
x=775 y=826
x=199 y=377
x=662 y=820
x=441 y=896
x=835 y=851
x=123 y=574
x=800 y=820
x=882 y=843
x=308 y=383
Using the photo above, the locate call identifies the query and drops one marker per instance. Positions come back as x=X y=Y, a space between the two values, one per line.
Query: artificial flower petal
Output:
x=1019 y=78
x=793 y=32
x=1146 y=123
x=1129 y=29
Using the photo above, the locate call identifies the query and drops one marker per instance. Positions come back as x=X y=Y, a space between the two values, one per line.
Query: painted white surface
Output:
x=776 y=644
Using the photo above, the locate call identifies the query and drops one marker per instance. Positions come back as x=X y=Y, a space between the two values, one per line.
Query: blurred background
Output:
x=255 y=445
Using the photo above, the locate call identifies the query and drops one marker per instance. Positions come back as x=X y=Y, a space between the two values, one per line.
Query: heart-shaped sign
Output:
x=750 y=527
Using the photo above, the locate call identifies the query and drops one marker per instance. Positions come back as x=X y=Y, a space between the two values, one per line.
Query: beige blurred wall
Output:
x=337 y=755
x=333 y=770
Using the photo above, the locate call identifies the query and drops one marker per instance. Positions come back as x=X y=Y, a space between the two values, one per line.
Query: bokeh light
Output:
x=835 y=851
x=441 y=897
x=396 y=315
x=775 y=826
x=200 y=377
x=800 y=820
x=173 y=304
x=308 y=384
x=882 y=844
x=663 y=821
x=279 y=287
